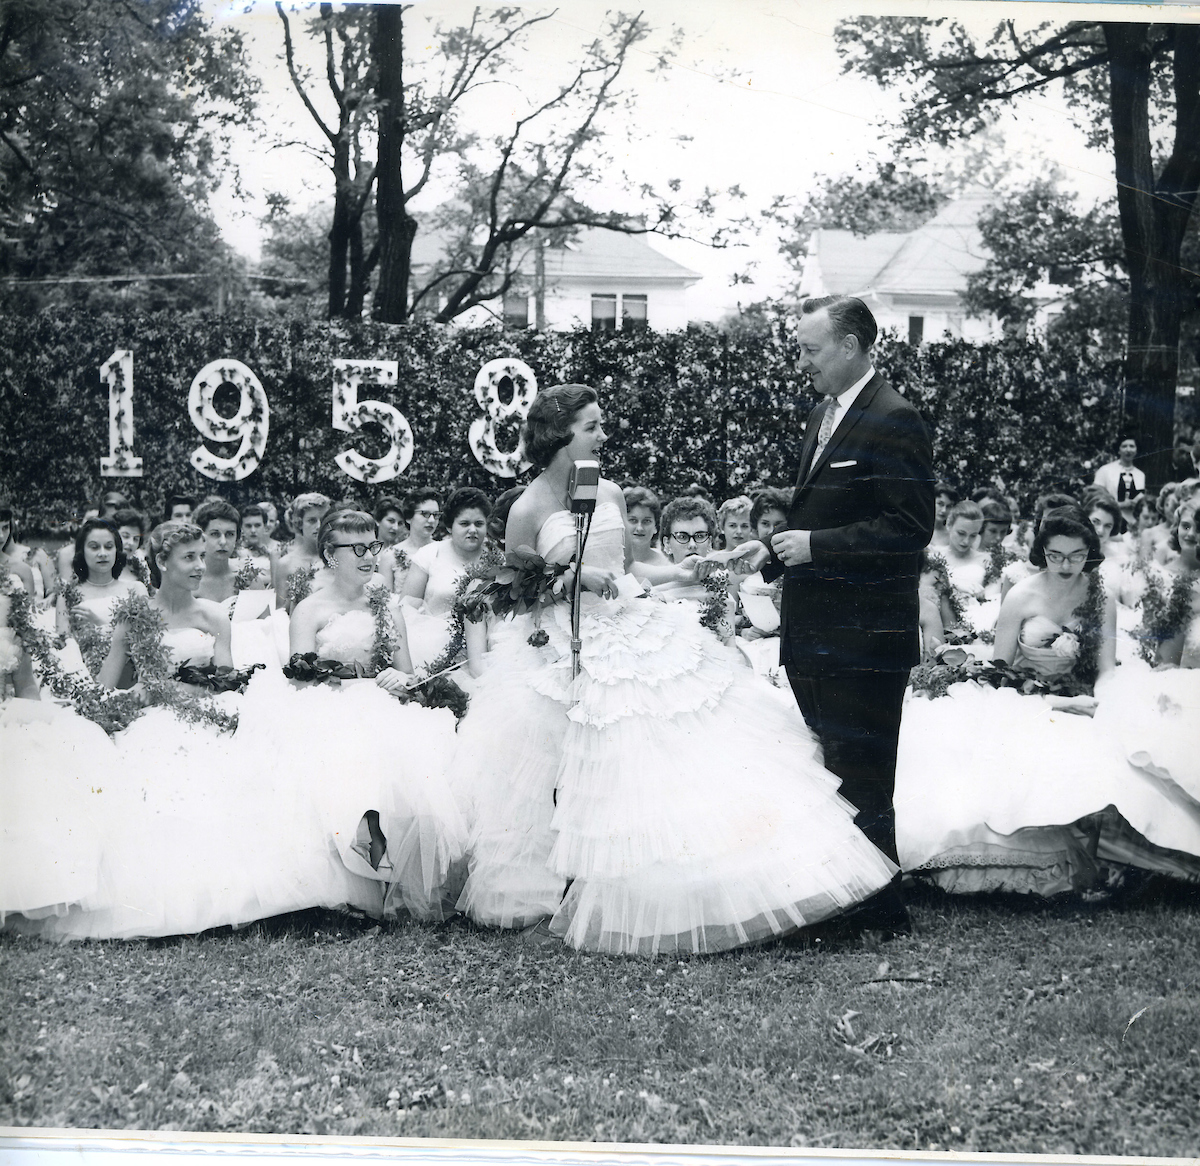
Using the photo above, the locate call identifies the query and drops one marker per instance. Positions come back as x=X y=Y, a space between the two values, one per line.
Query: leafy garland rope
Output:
x=92 y=640
x=963 y=631
x=1165 y=614
x=109 y=709
x=999 y=557
x=714 y=612
x=299 y=585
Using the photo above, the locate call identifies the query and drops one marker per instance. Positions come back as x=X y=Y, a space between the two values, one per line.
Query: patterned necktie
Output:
x=825 y=432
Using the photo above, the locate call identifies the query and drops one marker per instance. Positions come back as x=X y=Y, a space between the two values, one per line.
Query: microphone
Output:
x=583 y=486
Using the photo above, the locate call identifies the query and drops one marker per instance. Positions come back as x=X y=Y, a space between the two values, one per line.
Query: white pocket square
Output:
x=842 y=465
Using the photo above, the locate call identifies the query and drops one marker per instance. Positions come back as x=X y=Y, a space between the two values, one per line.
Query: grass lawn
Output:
x=1002 y=1026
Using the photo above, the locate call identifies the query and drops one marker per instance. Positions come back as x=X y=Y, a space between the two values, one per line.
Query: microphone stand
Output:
x=577 y=591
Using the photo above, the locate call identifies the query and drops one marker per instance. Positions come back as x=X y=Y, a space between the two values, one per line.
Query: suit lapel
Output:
x=861 y=403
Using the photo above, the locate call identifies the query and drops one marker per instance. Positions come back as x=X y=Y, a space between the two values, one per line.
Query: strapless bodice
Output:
x=98 y=610
x=605 y=543
x=189 y=645
x=348 y=637
x=1045 y=648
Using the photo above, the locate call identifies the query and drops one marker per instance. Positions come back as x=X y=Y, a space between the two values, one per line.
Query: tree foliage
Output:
x=1134 y=87
x=115 y=118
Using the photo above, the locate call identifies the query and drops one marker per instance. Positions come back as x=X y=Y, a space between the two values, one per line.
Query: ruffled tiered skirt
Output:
x=674 y=798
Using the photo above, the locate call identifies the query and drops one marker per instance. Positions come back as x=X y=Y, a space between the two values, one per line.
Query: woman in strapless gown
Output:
x=51 y=761
x=373 y=769
x=1155 y=710
x=86 y=603
x=631 y=788
x=195 y=829
x=431 y=585
x=997 y=789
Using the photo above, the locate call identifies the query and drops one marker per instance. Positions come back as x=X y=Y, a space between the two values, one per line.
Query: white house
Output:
x=604 y=280
x=912 y=281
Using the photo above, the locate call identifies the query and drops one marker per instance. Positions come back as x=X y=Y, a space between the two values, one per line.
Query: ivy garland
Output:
x=713 y=612
x=999 y=557
x=152 y=665
x=246 y=577
x=140 y=570
x=92 y=640
x=1165 y=613
x=299 y=585
x=110 y=710
x=963 y=631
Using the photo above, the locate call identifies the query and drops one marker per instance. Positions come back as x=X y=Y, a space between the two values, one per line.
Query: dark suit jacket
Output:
x=868 y=501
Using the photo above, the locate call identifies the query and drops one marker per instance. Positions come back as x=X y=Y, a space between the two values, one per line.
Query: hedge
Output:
x=694 y=406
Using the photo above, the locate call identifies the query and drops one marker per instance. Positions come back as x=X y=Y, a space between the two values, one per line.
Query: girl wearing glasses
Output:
x=1027 y=792
x=422 y=512
x=632 y=784
x=373 y=768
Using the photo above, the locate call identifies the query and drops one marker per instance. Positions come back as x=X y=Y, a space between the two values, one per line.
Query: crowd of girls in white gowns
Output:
x=662 y=797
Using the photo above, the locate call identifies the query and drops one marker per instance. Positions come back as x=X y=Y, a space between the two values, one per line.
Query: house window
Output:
x=916 y=329
x=516 y=310
x=633 y=313
x=604 y=313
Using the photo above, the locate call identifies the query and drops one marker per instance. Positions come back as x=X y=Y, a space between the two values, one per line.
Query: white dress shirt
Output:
x=846 y=398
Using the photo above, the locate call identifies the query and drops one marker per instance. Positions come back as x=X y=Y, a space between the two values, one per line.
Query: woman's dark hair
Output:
x=6 y=515
x=1109 y=505
x=1066 y=522
x=548 y=425
x=644 y=496
x=1048 y=502
x=343 y=522
x=79 y=564
x=498 y=519
x=414 y=498
x=465 y=498
x=770 y=498
x=685 y=507
x=129 y=517
x=386 y=504
x=112 y=500
x=213 y=510
x=940 y=488
x=255 y=512
x=180 y=500
x=848 y=315
x=996 y=512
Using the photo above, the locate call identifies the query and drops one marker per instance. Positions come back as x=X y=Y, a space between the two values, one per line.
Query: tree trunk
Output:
x=397 y=228
x=339 y=243
x=358 y=272
x=1154 y=216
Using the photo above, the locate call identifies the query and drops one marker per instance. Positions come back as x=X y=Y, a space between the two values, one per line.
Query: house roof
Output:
x=596 y=253
x=593 y=253
x=934 y=259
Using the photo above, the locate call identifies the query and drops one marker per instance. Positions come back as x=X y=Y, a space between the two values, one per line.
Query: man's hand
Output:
x=744 y=559
x=792 y=546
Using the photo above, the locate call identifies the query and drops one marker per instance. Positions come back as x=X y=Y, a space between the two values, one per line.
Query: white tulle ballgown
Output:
x=675 y=800
x=193 y=830
x=1000 y=791
x=351 y=748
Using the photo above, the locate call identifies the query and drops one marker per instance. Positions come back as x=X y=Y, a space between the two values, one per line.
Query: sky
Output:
x=755 y=96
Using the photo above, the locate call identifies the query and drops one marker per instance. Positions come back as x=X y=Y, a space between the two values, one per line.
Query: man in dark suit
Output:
x=862 y=511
